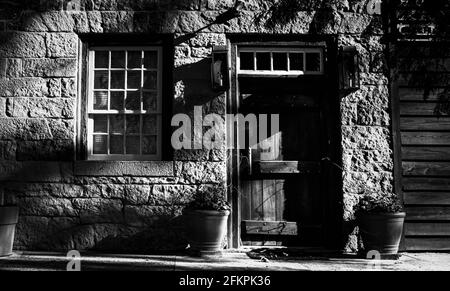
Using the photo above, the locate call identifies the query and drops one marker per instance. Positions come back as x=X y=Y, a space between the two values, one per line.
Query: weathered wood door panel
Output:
x=281 y=183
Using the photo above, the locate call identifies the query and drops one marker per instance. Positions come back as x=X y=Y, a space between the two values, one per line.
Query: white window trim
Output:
x=90 y=111
x=275 y=73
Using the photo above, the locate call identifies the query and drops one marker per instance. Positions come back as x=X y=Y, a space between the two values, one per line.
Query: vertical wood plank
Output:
x=269 y=200
x=257 y=200
x=245 y=200
x=279 y=207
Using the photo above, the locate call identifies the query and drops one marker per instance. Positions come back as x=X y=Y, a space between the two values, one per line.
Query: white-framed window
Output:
x=276 y=61
x=124 y=103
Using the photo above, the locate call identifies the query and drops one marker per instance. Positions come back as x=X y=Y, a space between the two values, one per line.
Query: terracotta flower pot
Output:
x=9 y=216
x=381 y=231
x=206 y=229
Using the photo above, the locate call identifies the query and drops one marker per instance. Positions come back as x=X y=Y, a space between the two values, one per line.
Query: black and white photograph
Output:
x=223 y=143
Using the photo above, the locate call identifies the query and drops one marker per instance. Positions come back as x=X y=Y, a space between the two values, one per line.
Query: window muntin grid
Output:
x=124 y=103
x=280 y=61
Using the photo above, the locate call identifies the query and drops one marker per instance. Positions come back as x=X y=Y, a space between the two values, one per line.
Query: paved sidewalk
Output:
x=230 y=261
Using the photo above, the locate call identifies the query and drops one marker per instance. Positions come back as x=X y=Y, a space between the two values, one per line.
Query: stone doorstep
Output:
x=230 y=260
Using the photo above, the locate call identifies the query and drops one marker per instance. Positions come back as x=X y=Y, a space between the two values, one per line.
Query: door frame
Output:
x=333 y=194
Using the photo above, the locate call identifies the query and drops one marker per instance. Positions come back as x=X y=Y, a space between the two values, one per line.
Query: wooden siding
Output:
x=425 y=147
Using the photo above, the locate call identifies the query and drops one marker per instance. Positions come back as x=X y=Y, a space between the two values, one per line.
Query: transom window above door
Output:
x=124 y=103
x=280 y=61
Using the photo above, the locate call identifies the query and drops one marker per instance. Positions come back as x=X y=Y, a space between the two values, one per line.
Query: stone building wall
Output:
x=68 y=204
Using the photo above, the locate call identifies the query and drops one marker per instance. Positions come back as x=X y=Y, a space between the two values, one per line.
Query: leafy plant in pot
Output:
x=207 y=216
x=380 y=219
x=8 y=219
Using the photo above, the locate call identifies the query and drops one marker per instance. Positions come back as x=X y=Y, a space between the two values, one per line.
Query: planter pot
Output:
x=206 y=229
x=381 y=231
x=9 y=216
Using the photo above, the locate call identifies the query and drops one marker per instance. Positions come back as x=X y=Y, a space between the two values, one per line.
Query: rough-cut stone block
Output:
x=3 y=68
x=22 y=45
x=32 y=21
x=7 y=150
x=24 y=87
x=14 y=68
x=81 y=23
x=99 y=210
x=208 y=39
x=2 y=107
x=50 y=67
x=365 y=137
x=68 y=87
x=58 y=21
x=369 y=114
x=116 y=168
x=359 y=182
x=54 y=87
x=61 y=129
x=143 y=215
x=117 y=21
x=191 y=155
x=189 y=21
x=46 y=206
x=202 y=172
x=32 y=171
x=354 y=23
x=348 y=113
x=48 y=233
x=373 y=79
x=112 y=190
x=46 y=150
x=24 y=129
x=94 y=21
x=137 y=194
x=219 y=4
x=41 y=107
x=173 y=194
x=369 y=161
x=62 y=45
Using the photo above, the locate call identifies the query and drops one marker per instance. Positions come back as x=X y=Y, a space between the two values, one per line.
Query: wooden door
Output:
x=281 y=184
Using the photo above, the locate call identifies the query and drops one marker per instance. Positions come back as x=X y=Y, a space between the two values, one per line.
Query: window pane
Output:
x=313 y=62
x=101 y=100
x=247 y=61
x=149 y=145
x=263 y=61
x=133 y=122
x=133 y=101
x=296 y=61
x=116 y=144
x=117 y=59
x=134 y=59
x=134 y=79
x=150 y=80
x=149 y=124
x=150 y=59
x=117 y=79
x=149 y=100
x=100 y=144
x=100 y=123
x=102 y=59
x=132 y=145
x=101 y=80
x=280 y=61
x=116 y=124
x=117 y=100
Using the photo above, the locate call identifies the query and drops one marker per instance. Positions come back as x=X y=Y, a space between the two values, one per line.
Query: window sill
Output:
x=124 y=168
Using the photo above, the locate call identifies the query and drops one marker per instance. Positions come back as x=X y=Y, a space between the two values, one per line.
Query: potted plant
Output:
x=380 y=219
x=207 y=216
x=8 y=219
